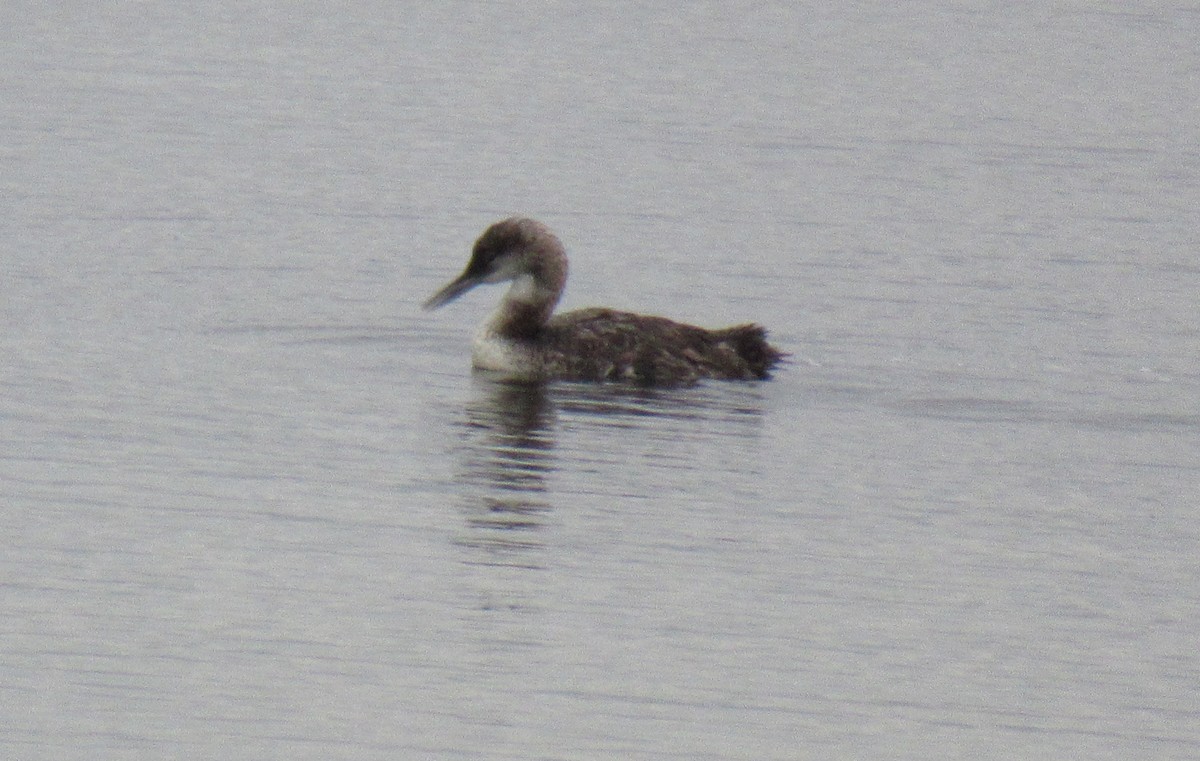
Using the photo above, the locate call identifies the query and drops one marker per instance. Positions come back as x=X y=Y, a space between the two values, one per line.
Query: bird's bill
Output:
x=452 y=291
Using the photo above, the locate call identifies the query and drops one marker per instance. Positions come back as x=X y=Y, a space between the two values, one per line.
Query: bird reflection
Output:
x=509 y=445
x=509 y=433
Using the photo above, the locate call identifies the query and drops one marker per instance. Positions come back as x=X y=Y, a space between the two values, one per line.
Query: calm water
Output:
x=255 y=505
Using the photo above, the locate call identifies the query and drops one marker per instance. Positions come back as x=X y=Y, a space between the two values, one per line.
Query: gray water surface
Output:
x=255 y=504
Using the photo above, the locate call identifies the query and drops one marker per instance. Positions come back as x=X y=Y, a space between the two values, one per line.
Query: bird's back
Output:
x=605 y=344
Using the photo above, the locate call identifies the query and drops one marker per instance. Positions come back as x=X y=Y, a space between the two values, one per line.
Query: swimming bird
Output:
x=524 y=340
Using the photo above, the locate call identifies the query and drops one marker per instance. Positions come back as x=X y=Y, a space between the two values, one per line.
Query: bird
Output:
x=524 y=340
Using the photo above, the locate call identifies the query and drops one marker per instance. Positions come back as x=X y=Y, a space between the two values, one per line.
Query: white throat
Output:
x=524 y=289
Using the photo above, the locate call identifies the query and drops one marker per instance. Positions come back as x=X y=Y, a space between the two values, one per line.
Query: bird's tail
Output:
x=750 y=343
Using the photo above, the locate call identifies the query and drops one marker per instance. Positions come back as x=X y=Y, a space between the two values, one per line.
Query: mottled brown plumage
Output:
x=523 y=339
x=602 y=344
